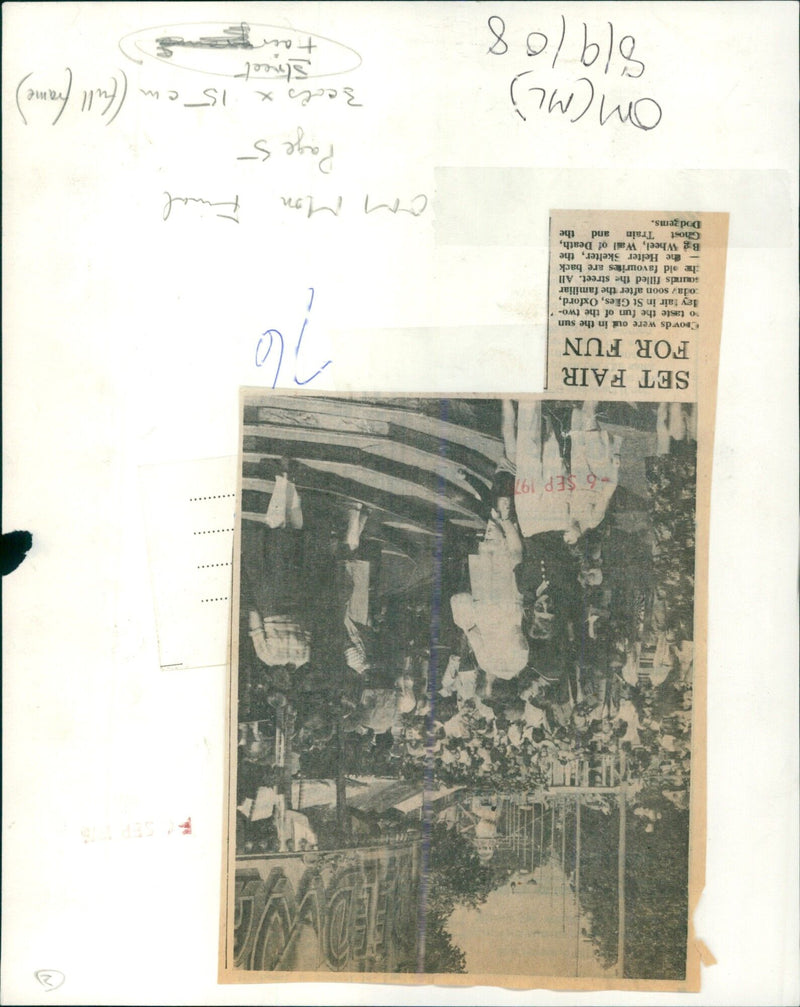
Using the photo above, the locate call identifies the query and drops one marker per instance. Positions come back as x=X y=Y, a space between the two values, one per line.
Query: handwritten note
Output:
x=273 y=339
x=263 y=69
x=217 y=48
x=556 y=51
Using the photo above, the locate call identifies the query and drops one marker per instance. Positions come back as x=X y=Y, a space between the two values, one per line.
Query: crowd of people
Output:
x=563 y=638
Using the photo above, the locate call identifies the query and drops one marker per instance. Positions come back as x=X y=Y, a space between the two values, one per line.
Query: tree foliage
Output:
x=441 y=954
x=456 y=876
x=656 y=902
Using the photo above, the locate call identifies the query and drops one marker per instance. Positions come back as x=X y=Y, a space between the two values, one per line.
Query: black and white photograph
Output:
x=463 y=686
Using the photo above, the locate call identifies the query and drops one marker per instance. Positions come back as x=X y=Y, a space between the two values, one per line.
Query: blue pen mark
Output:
x=262 y=354
x=275 y=337
x=433 y=689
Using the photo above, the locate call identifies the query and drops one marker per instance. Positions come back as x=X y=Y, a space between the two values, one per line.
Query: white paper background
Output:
x=127 y=337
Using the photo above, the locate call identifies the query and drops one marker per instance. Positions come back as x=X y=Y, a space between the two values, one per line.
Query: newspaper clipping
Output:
x=467 y=689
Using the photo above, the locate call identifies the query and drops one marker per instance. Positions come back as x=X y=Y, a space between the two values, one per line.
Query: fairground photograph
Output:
x=463 y=686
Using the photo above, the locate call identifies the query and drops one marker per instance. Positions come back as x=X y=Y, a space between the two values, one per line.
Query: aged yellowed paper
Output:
x=467 y=692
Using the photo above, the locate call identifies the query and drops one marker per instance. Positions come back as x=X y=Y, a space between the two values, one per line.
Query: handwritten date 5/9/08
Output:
x=602 y=54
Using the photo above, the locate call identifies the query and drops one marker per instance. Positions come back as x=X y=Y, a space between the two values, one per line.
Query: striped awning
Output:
x=407 y=466
x=421 y=466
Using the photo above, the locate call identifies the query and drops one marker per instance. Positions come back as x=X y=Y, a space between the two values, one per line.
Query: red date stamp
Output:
x=136 y=830
x=557 y=484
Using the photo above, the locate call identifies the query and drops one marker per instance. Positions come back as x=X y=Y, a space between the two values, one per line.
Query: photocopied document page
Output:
x=400 y=401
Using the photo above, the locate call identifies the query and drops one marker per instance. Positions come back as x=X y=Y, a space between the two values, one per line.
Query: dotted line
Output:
x=219 y=496
x=212 y=531
x=207 y=566
x=204 y=600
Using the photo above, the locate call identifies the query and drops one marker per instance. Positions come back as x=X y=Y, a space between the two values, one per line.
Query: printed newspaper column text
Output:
x=626 y=305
